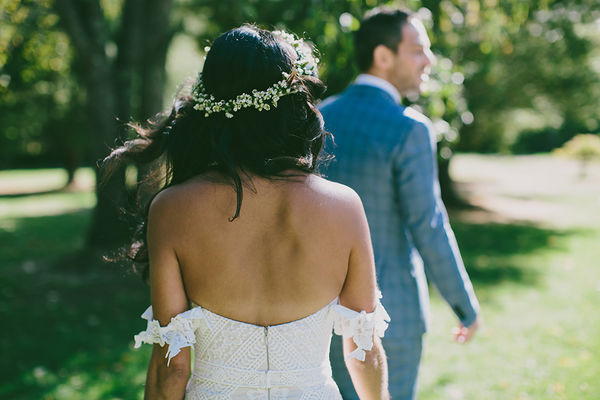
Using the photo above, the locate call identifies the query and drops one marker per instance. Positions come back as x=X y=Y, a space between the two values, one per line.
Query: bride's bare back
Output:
x=296 y=245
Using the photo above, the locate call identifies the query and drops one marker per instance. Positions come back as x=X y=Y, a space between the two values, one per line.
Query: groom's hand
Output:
x=463 y=334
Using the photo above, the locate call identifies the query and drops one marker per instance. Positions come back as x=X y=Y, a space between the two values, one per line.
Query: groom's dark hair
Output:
x=380 y=26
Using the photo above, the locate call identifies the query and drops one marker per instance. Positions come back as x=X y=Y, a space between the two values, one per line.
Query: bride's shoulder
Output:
x=331 y=188
x=336 y=195
x=181 y=199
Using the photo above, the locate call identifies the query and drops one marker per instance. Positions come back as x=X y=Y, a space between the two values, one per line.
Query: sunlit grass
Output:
x=22 y=181
x=45 y=204
x=539 y=289
x=539 y=341
x=39 y=218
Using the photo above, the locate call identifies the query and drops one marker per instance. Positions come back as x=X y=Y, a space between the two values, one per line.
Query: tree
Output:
x=329 y=25
x=120 y=60
x=532 y=58
x=495 y=59
x=41 y=121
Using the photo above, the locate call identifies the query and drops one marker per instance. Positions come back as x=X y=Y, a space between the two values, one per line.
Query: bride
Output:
x=253 y=258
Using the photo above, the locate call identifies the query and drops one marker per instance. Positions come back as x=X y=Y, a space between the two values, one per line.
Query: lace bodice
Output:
x=236 y=360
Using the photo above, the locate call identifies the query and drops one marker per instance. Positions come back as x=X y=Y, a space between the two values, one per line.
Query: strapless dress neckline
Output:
x=325 y=308
x=235 y=360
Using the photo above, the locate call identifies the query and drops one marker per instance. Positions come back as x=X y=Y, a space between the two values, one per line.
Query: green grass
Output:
x=539 y=288
x=541 y=333
x=67 y=332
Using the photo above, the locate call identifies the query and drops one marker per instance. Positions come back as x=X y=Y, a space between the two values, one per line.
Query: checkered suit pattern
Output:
x=387 y=153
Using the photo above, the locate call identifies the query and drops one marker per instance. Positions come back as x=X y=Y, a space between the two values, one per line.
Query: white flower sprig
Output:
x=261 y=100
x=305 y=64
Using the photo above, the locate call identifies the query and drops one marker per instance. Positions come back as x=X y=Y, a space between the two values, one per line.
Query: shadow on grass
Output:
x=63 y=327
x=30 y=194
x=491 y=250
x=43 y=238
x=68 y=331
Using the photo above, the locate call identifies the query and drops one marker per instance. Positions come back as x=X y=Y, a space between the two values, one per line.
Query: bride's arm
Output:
x=165 y=381
x=370 y=377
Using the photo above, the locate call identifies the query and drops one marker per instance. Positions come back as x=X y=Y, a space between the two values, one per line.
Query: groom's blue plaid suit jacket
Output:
x=387 y=153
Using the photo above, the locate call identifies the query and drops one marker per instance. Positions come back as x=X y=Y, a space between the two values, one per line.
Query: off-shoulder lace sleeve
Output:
x=360 y=326
x=179 y=333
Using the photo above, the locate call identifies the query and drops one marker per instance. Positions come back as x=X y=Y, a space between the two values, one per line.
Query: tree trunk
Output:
x=447 y=187
x=116 y=89
x=157 y=36
x=108 y=228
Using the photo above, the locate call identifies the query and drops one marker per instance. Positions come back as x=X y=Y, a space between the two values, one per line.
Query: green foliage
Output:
x=443 y=101
x=329 y=25
x=40 y=99
x=538 y=141
x=509 y=56
x=517 y=55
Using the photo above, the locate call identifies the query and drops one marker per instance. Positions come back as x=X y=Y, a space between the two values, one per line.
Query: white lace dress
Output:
x=236 y=360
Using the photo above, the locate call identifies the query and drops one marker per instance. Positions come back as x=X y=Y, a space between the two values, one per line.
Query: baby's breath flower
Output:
x=305 y=64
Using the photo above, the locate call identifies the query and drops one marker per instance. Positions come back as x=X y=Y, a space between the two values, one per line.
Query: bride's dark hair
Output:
x=186 y=143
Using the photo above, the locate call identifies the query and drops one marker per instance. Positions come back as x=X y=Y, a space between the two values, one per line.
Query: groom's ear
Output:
x=383 y=58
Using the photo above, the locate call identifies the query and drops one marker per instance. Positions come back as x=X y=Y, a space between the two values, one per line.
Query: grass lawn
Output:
x=67 y=332
x=537 y=280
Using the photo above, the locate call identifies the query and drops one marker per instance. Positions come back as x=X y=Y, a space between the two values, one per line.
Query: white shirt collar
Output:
x=372 y=80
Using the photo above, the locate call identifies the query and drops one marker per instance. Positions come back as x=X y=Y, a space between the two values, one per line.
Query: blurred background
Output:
x=515 y=102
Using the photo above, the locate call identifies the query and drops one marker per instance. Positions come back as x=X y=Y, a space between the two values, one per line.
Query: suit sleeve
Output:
x=418 y=198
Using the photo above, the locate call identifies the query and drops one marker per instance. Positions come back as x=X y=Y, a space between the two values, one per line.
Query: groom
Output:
x=387 y=153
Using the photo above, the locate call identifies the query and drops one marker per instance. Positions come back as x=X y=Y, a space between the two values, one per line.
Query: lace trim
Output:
x=179 y=333
x=360 y=326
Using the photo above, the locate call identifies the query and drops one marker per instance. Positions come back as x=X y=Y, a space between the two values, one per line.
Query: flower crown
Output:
x=305 y=64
